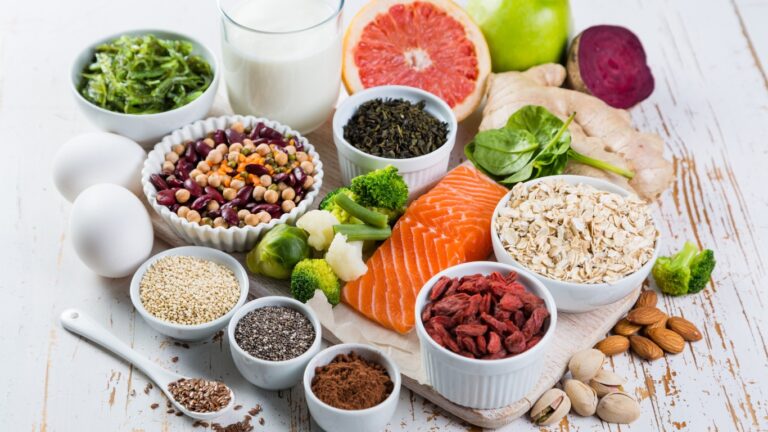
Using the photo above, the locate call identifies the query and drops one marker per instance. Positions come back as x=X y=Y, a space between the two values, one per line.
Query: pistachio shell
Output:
x=618 y=407
x=606 y=382
x=583 y=397
x=584 y=365
x=552 y=406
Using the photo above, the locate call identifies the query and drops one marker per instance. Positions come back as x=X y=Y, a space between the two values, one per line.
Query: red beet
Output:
x=609 y=63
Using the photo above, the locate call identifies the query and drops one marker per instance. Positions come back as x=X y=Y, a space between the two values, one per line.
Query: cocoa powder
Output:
x=351 y=382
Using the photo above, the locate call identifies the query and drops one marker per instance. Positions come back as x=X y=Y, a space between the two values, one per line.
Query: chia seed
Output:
x=274 y=333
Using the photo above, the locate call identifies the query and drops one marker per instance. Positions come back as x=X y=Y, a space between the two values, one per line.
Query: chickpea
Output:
x=209 y=142
x=248 y=144
x=281 y=158
x=193 y=216
x=258 y=193
x=201 y=180
x=194 y=173
x=308 y=167
x=219 y=222
x=242 y=214
x=236 y=147
x=252 y=220
x=212 y=206
x=232 y=158
x=226 y=179
x=214 y=157
x=302 y=156
x=222 y=148
x=182 y=195
x=288 y=194
x=214 y=180
x=172 y=157
x=271 y=196
x=308 y=182
x=281 y=186
x=182 y=212
x=168 y=167
x=288 y=206
x=263 y=149
x=237 y=127
x=236 y=184
x=229 y=193
x=178 y=149
x=291 y=150
x=203 y=167
x=266 y=180
x=206 y=221
x=264 y=216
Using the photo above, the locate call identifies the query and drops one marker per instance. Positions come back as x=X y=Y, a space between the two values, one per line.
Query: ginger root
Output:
x=598 y=131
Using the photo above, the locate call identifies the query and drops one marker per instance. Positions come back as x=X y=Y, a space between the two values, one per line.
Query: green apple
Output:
x=522 y=33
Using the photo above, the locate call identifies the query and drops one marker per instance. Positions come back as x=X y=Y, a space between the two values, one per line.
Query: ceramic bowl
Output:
x=145 y=129
x=570 y=296
x=372 y=419
x=477 y=383
x=184 y=332
x=232 y=239
x=420 y=172
x=273 y=375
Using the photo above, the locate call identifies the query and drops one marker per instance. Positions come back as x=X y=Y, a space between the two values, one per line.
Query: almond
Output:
x=613 y=345
x=662 y=323
x=668 y=340
x=647 y=298
x=626 y=328
x=645 y=347
x=684 y=328
x=645 y=315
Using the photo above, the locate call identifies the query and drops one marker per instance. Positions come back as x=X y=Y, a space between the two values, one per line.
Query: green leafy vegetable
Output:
x=278 y=252
x=534 y=143
x=382 y=190
x=145 y=75
x=686 y=272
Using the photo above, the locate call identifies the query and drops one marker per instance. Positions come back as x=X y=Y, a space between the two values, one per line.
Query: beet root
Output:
x=609 y=63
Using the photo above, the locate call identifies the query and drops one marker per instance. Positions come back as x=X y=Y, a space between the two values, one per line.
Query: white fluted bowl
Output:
x=231 y=239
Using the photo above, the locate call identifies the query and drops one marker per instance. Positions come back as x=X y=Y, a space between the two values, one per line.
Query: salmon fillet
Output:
x=449 y=225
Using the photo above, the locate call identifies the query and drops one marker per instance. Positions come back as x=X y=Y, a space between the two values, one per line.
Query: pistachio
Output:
x=606 y=382
x=585 y=364
x=551 y=407
x=583 y=397
x=618 y=407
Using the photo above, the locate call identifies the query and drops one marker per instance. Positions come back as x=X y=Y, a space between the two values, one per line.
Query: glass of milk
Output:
x=282 y=58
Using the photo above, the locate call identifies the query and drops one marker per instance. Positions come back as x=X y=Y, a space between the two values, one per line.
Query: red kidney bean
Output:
x=281 y=177
x=258 y=141
x=214 y=193
x=174 y=208
x=230 y=215
x=280 y=142
x=189 y=153
x=201 y=202
x=299 y=190
x=158 y=182
x=173 y=182
x=298 y=144
x=194 y=189
x=256 y=169
x=167 y=197
x=234 y=136
x=213 y=214
x=274 y=210
x=244 y=193
x=299 y=174
x=220 y=137
x=202 y=149
x=235 y=203
x=256 y=132
x=183 y=168
x=268 y=132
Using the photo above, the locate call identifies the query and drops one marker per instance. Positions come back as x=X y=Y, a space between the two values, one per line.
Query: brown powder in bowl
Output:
x=351 y=382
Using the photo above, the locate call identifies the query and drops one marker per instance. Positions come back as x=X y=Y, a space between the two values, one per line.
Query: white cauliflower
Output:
x=319 y=224
x=346 y=258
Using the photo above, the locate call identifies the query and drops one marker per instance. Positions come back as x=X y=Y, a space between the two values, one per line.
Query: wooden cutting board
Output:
x=573 y=333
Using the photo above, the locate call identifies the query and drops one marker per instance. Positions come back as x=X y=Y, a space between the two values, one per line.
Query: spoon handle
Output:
x=85 y=326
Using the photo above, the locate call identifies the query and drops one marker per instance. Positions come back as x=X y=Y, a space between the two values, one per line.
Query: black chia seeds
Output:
x=274 y=333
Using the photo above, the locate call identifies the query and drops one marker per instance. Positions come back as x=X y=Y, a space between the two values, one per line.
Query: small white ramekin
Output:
x=372 y=419
x=420 y=172
x=273 y=375
x=572 y=297
x=476 y=383
x=145 y=129
x=184 y=332
x=231 y=239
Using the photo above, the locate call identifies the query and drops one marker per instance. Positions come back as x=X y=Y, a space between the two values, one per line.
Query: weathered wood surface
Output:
x=710 y=60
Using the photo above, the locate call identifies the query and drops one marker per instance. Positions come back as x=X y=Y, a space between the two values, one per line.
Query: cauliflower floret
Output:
x=319 y=224
x=346 y=258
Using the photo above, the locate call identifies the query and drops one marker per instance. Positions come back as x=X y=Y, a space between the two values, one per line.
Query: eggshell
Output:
x=110 y=230
x=97 y=157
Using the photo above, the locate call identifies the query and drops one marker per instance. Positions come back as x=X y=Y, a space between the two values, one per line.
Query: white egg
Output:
x=110 y=230
x=97 y=157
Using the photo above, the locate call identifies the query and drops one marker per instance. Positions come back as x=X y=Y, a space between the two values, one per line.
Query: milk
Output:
x=280 y=66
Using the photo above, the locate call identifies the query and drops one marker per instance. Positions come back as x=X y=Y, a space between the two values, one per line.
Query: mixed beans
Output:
x=235 y=177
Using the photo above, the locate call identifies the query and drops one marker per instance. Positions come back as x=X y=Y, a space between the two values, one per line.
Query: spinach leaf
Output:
x=504 y=151
x=540 y=122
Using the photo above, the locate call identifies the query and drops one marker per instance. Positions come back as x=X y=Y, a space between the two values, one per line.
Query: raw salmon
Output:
x=449 y=225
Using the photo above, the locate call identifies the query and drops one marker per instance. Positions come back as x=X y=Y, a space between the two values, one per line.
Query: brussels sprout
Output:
x=278 y=252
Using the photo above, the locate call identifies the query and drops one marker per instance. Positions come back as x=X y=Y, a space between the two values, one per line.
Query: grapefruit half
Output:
x=430 y=44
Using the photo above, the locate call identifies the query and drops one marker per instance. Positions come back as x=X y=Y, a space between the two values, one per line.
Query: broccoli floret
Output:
x=313 y=274
x=382 y=188
x=686 y=272
x=329 y=204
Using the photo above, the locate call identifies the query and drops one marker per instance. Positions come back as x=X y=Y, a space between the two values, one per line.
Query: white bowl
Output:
x=273 y=375
x=477 y=383
x=372 y=419
x=196 y=332
x=232 y=239
x=145 y=128
x=572 y=297
x=419 y=172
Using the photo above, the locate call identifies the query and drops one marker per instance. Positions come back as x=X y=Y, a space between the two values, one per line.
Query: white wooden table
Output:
x=710 y=104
